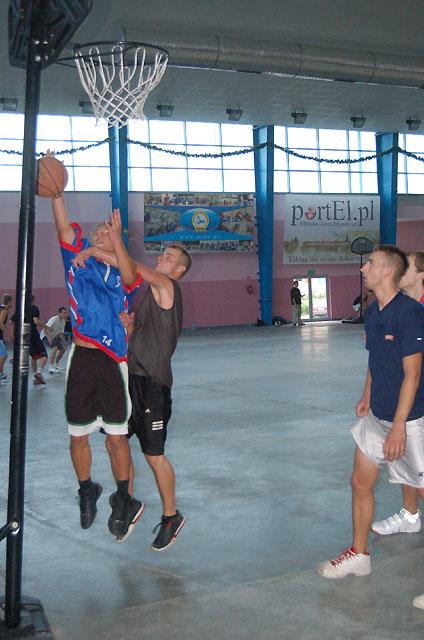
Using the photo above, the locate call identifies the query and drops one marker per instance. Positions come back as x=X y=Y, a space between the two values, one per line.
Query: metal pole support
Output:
x=15 y=511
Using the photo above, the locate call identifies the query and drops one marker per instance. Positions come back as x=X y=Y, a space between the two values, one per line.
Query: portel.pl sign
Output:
x=320 y=228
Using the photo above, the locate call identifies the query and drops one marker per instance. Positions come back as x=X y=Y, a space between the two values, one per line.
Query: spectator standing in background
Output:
x=296 y=302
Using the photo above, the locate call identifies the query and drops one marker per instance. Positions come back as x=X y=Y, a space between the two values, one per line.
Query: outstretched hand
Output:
x=114 y=225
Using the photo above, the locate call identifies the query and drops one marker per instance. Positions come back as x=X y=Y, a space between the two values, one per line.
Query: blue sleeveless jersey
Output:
x=97 y=297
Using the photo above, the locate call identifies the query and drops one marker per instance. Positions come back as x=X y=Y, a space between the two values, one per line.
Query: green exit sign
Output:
x=311 y=272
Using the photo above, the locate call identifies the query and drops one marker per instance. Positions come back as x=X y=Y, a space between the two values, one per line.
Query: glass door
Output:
x=314 y=297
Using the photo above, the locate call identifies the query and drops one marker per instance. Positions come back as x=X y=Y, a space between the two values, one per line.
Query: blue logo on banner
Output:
x=200 y=219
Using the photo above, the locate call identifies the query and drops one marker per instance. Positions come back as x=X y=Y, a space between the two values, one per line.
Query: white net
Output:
x=118 y=77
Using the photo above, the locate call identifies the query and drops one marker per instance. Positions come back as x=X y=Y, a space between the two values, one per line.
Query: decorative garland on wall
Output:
x=239 y=152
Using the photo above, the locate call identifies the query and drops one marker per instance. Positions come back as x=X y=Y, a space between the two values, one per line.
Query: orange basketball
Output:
x=52 y=177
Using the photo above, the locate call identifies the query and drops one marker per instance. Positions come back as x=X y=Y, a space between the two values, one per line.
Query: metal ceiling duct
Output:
x=227 y=53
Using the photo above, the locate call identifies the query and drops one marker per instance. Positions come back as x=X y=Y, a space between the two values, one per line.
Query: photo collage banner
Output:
x=201 y=222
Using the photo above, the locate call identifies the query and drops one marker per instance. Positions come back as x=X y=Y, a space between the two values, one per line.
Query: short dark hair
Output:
x=397 y=259
x=6 y=298
x=186 y=257
x=61 y=309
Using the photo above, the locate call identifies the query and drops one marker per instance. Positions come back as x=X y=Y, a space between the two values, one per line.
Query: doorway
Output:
x=314 y=290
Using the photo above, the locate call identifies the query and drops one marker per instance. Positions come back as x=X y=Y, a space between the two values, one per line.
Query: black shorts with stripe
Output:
x=151 y=411
x=96 y=393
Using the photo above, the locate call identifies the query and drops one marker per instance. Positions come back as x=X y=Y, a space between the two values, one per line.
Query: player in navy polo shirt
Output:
x=391 y=426
x=97 y=394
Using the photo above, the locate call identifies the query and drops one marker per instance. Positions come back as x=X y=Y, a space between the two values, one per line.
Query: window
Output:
x=305 y=175
x=150 y=169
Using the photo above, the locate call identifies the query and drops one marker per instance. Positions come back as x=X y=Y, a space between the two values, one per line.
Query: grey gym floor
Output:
x=260 y=444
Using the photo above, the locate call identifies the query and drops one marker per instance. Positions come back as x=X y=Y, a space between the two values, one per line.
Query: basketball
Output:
x=52 y=177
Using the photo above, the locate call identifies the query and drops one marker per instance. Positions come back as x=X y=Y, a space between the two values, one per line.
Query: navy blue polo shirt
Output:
x=391 y=334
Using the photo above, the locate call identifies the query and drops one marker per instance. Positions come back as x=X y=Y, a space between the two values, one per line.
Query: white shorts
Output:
x=369 y=434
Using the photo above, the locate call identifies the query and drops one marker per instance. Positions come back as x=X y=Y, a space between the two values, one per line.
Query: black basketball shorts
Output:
x=151 y=411
x=96 y=393
x=37 y=350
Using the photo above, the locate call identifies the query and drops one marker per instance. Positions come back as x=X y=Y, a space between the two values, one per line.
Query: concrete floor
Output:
x=260 y=444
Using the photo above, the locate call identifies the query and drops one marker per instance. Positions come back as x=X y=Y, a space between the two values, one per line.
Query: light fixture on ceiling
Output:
x=299 y=117
x=413 y=123
x=358 y=121
x=86 y=107
x=234 y=114
x=9 y=104
x=165 y=110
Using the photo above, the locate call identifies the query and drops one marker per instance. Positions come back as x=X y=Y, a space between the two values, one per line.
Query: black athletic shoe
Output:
x=126 y=510
x=169 y=527
x=87 y=502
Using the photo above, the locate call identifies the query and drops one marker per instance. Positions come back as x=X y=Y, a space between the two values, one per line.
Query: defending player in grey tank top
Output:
x=155 y=337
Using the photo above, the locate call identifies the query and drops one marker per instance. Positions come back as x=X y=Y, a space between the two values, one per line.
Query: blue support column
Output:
x=264 y=179
x=387 y=172
x=114 y=166
x=123 y=179
x=118 y=158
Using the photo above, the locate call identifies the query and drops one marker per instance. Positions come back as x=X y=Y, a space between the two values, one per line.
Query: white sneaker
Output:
x=402 y=522
x=3 y=378
x=419 y=601
x=53 y=370
x=347 y=562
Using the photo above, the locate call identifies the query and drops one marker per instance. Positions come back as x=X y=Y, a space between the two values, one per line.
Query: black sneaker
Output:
x=126 y=510
x=87 y=502
x=169 y=527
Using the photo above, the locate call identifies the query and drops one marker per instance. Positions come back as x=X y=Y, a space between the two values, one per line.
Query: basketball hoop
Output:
x=118 y=77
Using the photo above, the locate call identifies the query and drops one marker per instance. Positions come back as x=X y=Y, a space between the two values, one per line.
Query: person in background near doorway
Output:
x=5 y=305
x=56 y=339
x=296 y=302
x=390 y=430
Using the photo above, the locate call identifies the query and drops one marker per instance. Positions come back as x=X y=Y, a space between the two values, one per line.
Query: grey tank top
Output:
x=155 y=337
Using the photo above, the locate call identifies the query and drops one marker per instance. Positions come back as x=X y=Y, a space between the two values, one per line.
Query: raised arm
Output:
x=60 y=213
x=158 y=281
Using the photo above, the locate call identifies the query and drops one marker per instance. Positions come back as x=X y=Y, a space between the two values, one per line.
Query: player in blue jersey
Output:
x=154 y=333
x=97 y=376
x=390 y=431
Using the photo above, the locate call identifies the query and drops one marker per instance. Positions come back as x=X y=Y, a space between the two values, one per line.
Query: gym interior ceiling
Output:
x=330 y=59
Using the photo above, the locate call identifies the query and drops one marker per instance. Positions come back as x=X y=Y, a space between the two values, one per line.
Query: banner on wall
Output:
x=199 y=221
x=320 y=228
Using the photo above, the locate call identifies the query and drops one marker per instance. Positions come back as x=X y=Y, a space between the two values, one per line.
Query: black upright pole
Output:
x=15 y=513
x=360 y=291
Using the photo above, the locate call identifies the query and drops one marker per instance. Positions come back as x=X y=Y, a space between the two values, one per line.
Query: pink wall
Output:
x=216 y=290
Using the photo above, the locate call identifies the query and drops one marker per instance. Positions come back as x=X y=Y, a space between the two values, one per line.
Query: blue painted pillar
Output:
x=264 y=180
x=114 y=165
x=118 y=158
x=387 y=172
x=123 y=179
